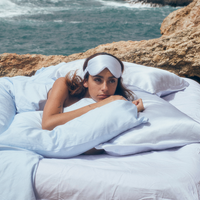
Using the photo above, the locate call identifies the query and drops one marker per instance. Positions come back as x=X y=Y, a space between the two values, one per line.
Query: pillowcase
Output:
x=31 y=92
x=76 y=136
x=73 y=66
x=7 y=105
x=167 y=127
x=31 y=95
x=188 y=100
x=149 y=79
x=47 y=72
x=152 y=80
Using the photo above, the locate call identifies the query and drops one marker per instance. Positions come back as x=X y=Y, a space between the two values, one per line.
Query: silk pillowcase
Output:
x=31 y=92
x=187 y=101
x=31 y=95
x=74 y=137
x=149 y=79
x=167 y=127
x=152 y=80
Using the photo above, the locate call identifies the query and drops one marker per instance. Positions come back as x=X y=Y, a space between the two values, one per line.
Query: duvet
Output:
x=122 y=131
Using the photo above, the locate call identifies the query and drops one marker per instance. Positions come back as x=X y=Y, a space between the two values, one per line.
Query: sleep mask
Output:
x=100 y=62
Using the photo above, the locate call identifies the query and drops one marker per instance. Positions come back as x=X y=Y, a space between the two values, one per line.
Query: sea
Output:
x=64 y=27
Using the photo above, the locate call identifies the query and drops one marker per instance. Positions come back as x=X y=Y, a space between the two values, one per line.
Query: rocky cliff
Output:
x=178 y=50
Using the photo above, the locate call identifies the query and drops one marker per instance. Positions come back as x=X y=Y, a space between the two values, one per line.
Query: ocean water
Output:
x=64 y=27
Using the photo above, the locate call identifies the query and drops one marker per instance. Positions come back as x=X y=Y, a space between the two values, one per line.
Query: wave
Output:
x=13 y=8
x=8 y=9
x=140 y=4
x=127 y=4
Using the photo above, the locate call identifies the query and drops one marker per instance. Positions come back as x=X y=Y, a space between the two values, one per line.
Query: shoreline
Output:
x=177 y=50
x=159 y=3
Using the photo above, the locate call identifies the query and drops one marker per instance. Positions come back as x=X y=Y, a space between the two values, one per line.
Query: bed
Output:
x=169 y=174
x=155 y=158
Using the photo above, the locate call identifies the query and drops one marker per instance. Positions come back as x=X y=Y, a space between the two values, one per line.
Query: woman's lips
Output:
x=103 y=96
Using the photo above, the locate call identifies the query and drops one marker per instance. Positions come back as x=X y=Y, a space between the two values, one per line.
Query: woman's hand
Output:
x=110 y=99
x=139 y=104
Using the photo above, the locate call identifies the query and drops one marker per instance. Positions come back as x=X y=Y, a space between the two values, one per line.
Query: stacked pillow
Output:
x=187 y=101
x=152 y=80
x=167 y=127
x=31 y=92
x=74 y=137
x=148 y=79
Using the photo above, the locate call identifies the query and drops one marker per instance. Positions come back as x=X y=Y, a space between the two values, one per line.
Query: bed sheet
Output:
x=171 y=174
x=158 y=175
x=90 y=177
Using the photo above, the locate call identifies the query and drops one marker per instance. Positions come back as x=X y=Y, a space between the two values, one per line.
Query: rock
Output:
x=184 y=18
x=178 y=50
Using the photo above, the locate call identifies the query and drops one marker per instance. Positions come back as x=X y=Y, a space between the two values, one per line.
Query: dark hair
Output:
x=75 y=83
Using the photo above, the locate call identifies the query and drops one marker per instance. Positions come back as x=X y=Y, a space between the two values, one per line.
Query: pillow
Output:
x=31 y=92
x=31 y=95
x=73 y=66
x=152 y=80
x=7 y=105
x=74 y=137
x=188 y=100
x=167 y=127
x=47 y=72
x=149 y=79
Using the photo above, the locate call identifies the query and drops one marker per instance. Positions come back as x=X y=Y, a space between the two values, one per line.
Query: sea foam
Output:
x=126 y=4
x=9 y=9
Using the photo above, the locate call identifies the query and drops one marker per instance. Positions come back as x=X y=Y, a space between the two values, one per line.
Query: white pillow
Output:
x=149 y=79
x=74 y=137
x=7 y=104
x=167 y=127
x=31 y=92
x=31 y=95
x=188 y=100
x=152 y=80
x=73 y=66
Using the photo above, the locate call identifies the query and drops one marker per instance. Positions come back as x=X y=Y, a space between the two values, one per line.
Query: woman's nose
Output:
x=104 y=86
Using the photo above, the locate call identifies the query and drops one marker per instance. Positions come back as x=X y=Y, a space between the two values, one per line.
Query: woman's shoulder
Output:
x=60 y=84
x=59 y=87
x=61 y=81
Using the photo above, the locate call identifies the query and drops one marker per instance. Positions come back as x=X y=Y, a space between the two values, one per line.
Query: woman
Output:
x=102 y=82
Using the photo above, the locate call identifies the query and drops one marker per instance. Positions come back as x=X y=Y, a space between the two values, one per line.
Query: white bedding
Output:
x=167 y=174
x=163 y=175
x=172 y=174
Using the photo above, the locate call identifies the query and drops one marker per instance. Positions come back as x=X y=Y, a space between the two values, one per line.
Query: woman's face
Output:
x=101 y=86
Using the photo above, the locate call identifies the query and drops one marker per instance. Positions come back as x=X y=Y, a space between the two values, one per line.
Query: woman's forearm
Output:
x=50 y=122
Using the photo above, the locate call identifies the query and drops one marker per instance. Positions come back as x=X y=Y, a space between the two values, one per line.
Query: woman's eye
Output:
x=97 y=80
x=112 y=81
